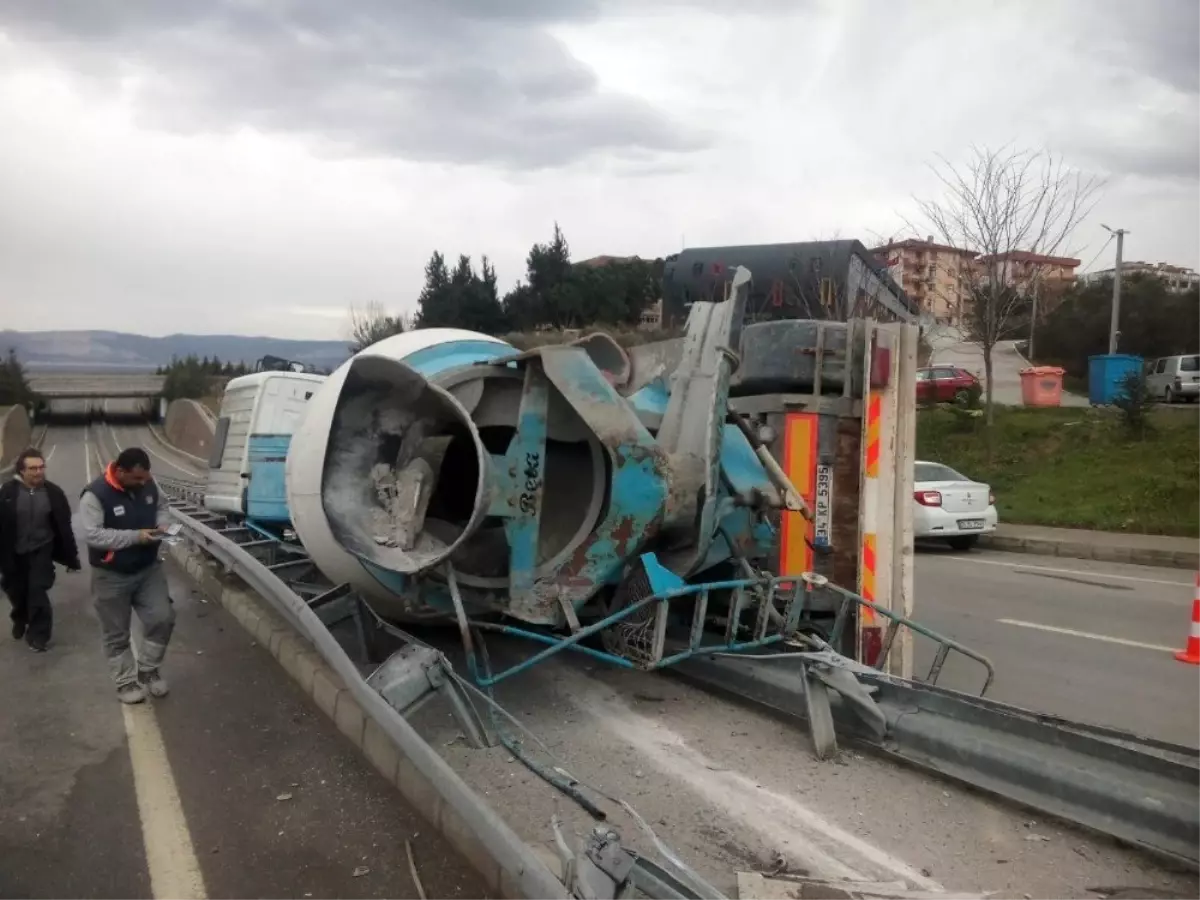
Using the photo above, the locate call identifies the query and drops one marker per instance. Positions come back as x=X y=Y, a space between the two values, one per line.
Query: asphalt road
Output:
x=1086 y=640
x=233 y=786
x=727 y=787
x=949 y=349
x=163 y=460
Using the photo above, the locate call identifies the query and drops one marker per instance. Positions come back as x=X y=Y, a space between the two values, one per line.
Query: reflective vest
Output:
x=127 y=511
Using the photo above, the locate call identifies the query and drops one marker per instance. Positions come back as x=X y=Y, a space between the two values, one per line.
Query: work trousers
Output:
x=28 y=591
x=116 y=597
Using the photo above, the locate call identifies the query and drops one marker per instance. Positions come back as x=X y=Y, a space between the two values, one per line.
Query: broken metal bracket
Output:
x=605 y=870
x=413 y=675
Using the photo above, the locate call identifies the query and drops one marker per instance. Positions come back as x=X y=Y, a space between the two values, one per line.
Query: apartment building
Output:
x=1022 y=269
x=1177 y=278
x=932 y=274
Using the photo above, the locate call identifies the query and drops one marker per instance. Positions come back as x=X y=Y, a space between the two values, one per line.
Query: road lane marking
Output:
x=1087 y=634
x=112 y=434
x=170 y=854
x=50 y=455
x=179 y=467
x=1010 y=565
x=87 y=454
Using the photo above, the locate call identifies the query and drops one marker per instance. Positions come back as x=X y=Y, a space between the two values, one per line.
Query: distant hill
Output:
x=115 y=351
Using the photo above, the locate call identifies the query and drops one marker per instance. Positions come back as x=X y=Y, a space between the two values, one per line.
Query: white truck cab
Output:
x=259 y=413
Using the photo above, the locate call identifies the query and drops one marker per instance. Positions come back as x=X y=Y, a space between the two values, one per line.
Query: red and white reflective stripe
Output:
x=870 y=502
x=1195 y=632
x=1195 y=610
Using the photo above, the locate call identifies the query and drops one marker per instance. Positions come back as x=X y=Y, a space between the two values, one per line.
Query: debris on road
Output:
x=796 y=887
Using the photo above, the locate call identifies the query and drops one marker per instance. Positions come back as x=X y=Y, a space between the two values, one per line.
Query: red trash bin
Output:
x=1042 y=385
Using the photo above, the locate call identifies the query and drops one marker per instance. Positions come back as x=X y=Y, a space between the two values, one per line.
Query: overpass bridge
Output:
x=74 y=395
x=89 y=386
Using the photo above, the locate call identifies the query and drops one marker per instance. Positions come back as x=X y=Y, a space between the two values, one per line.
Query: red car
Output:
x=944 y=384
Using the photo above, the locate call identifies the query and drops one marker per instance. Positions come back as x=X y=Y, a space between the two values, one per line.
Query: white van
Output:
x=264 y=403
x=1174 y=378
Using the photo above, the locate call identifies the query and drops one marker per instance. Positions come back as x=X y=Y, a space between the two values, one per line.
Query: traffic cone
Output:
x=1192 y=653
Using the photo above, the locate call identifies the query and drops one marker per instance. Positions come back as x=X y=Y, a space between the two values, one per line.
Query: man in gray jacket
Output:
x=124 y=515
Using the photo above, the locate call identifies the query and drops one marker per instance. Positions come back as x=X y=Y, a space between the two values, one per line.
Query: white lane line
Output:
x=1058 y=571
x=87 y=454
x=1087 y=634
x=179 y=467
x=50 y=455
x=170 y=855
x=174 y=465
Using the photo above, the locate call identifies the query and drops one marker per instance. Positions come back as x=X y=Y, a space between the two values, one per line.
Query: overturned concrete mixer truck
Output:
x=639 y=505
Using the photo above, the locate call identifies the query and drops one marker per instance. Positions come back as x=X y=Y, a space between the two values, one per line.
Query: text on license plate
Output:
x=967 y=524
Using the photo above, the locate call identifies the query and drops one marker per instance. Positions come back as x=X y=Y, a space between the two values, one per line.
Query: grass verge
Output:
x=1077 y=468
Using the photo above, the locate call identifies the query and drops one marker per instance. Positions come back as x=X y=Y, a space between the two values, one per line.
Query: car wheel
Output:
x=1169 y=396
x=966 y=542
x=962 y=398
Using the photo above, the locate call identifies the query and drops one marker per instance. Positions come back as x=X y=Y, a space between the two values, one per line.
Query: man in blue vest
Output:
x=123 y=515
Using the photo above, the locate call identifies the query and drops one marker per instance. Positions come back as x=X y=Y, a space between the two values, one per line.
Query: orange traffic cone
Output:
x=1192 y=653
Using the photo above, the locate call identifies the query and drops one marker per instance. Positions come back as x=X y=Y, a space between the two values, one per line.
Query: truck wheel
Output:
x=964 y=543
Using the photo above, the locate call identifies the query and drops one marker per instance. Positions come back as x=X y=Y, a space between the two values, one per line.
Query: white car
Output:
x=949 y=506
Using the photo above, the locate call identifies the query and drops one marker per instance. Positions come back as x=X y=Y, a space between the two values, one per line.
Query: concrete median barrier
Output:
x=15 y=434
x=189 y=428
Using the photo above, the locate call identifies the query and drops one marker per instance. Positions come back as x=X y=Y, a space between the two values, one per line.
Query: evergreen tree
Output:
x=14 y=384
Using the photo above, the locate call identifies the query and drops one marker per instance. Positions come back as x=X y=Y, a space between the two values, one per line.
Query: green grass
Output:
x=1077 y=468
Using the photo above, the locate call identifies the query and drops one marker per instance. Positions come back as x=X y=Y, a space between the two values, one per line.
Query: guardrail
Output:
x=1138 y=790
x=601 y=867
x=515 y=858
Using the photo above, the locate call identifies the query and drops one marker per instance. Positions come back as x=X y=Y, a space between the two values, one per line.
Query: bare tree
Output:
x=372 y=324
x=1012 y=208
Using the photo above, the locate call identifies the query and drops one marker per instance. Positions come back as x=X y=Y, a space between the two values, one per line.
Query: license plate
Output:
x=968 y=524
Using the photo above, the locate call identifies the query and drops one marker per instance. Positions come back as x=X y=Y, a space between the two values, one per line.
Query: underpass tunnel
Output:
x=82 y=410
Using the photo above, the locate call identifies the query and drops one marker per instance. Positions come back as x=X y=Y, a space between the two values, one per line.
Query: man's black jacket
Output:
x=66 y=551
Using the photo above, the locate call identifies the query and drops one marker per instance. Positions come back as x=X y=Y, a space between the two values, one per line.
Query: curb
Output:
x=1142 y=556
x=327 y=690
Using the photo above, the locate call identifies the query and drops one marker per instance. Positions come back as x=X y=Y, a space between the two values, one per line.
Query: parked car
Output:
x=949 y=506
x=945 y=384
x=1174 y=378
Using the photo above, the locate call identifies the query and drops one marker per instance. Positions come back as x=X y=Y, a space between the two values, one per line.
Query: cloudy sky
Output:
x=258 y=166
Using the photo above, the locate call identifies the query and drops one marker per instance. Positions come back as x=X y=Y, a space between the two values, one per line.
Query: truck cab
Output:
x=259 y=413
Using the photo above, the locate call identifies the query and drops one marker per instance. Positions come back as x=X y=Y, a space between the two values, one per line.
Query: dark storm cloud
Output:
x=470 y=81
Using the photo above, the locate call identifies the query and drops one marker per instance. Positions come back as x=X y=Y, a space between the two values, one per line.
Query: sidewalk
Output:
x=1103 y=546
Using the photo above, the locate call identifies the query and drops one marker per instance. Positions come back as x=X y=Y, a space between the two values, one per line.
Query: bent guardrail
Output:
x=515 y=858
x=1138 y=790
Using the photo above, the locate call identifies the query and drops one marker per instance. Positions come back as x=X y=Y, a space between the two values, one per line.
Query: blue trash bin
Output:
x=1105 y=373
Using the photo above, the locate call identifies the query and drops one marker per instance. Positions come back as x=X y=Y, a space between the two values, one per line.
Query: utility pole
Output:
x=1032 y=320
x=1114 y=324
